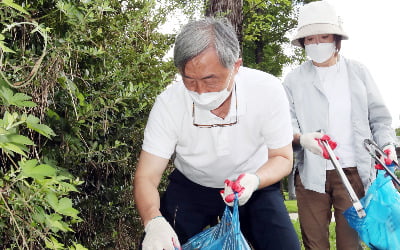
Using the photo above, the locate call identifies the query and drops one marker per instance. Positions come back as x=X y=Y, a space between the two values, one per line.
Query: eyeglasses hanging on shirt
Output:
x=217 y=124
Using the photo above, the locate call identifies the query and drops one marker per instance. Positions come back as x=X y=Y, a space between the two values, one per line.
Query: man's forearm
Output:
x=279 y=165
x=147 y=178
x=274 y=170
x=147 y=200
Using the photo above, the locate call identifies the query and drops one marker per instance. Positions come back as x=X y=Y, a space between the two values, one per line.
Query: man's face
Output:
x=204 y=73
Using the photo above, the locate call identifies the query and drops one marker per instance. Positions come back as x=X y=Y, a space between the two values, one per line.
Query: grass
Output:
x=291 y=206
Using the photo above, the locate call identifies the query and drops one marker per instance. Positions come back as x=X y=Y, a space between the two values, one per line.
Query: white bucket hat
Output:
x=318 y=18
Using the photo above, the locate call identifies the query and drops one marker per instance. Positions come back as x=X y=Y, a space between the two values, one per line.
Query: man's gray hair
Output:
x=197 y=36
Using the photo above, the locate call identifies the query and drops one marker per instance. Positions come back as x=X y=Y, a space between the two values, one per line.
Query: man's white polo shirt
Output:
x=209 y=156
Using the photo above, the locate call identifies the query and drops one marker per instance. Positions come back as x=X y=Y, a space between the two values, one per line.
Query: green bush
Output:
x=35 y=203
x=93 y=68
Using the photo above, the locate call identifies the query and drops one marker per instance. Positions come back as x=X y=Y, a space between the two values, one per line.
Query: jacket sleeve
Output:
x=380 y=120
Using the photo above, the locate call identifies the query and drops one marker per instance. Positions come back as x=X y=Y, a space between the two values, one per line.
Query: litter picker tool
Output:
x=354 y=199
x=377 y=153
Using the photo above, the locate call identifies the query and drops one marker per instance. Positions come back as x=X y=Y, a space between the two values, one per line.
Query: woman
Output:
x=339 y=96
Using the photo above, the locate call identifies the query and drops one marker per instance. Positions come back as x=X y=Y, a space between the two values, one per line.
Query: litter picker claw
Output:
x=377 y=153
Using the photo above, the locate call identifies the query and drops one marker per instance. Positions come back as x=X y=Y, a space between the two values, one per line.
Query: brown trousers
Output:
x=315 y=211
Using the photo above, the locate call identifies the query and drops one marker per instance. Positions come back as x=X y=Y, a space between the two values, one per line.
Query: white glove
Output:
x=390 y=151
x=160 y=235
x=244 y=186
x=308 y=141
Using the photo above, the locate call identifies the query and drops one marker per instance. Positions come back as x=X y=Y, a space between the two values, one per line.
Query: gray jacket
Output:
x=309 y=109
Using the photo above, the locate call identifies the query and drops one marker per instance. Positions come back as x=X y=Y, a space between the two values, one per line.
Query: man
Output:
x=226 y=124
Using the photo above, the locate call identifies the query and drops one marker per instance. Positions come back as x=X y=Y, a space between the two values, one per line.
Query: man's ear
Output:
x=237 y=65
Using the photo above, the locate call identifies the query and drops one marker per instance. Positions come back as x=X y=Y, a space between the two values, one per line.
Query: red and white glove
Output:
x=160 y=235
x=244 y=186
x=312 y=142
x=390 y=151
x=309 y=142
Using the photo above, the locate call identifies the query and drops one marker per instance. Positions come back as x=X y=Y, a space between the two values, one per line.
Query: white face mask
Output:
x=211 y=100
x=321 y=52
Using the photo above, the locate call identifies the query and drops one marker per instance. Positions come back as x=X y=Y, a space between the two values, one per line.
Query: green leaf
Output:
x=22 y=100
x=27 y=163
x=106 y=7
x=68 y=187
x=65 y=208
x=64 y=203
x=13 y=148
x=11 y=142
x=53 y=243
x=2 y=225
x=81 y=99
x=5 y=48
x=77 y=247
x=54 y=221
x=10 y=120
x=52 y=114
x=29 y=169
x=6 y=94
x=16 y=139
x=10 y=3
x=62 y=206
x=52 y=199
x=32 y=122
x=39 y=216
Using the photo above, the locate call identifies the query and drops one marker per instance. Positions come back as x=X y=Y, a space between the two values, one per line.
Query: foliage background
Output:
x=78 y=80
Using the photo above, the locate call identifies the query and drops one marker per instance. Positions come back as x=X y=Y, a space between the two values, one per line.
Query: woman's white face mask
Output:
x=320 y=52
x=211 y=100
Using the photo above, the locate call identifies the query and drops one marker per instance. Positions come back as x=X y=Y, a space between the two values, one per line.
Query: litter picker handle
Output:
x=372 y=149
x=354 y=199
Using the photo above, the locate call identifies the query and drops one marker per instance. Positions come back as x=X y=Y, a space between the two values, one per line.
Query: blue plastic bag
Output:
x=226 y=235
x=380 y=228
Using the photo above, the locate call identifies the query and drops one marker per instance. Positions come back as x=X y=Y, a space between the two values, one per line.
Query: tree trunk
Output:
x=259 y=53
